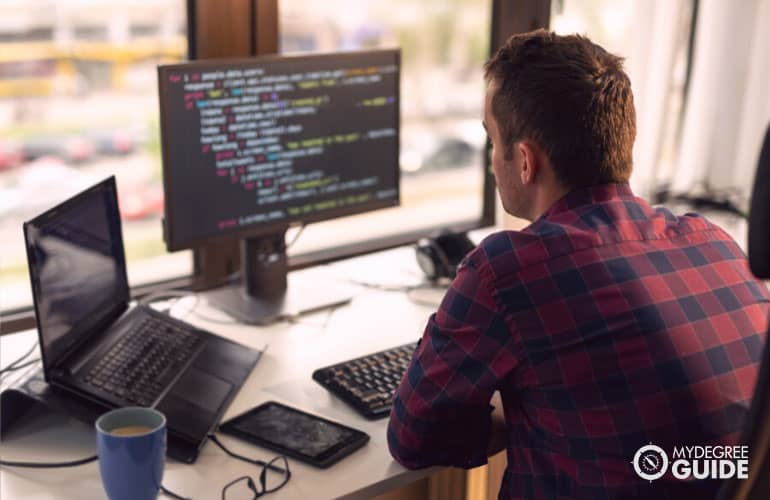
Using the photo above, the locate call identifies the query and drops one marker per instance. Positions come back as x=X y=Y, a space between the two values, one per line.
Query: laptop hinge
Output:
x=59 y=372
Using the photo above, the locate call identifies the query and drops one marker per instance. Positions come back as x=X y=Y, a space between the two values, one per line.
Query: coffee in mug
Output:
x=131 y=430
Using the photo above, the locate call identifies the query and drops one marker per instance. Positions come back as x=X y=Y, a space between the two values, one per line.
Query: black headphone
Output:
x=439 y=255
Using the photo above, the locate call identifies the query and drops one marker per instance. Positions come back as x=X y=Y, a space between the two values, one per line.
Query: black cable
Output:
x=171 y=494
x=164 y=490
x=254 y=461
x=19 y=367
x=249 y=483
x=264 y=490
x=12 y=366
x=74 y=463
x=296 y=237
x=262 y=477
x=49 y=465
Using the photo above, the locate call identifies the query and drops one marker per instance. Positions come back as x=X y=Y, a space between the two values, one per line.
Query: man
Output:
x=605 y=325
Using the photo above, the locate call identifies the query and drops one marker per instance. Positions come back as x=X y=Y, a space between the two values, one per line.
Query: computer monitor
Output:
x=252 y=146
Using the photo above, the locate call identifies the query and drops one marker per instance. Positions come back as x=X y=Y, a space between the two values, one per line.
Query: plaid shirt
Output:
x=605 y=325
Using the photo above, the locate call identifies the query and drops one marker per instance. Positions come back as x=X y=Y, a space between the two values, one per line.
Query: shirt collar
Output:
x=590 y=195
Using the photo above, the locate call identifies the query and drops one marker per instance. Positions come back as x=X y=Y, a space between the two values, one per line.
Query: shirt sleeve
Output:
x=441 y=413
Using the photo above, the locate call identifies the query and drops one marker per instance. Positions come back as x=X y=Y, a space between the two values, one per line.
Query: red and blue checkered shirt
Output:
x=606 y=325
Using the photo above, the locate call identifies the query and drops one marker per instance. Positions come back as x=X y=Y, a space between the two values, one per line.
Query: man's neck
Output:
x=545 y=199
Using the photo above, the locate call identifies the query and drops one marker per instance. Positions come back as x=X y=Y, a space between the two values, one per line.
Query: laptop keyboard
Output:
x=368 y=383
x=140 y=365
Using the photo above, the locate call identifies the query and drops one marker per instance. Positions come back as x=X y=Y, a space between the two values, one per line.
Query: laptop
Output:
x=96 y=346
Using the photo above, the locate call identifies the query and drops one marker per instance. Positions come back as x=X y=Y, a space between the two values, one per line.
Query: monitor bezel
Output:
x=174 y=243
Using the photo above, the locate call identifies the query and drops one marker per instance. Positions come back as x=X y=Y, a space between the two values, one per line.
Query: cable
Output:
x=19 y=367
x=163 y=295
x=49 y=465
x=262 y=476
x=12 y=366
x=171 y=294
x=253 y=461
x=296 y=237
x=181 y=294
x=407 y=289
x=386 y=288
x=249 y=483
x=171 y=494
x=294 y=320
x=422 y=302
x=75 y=463
x=217 y=321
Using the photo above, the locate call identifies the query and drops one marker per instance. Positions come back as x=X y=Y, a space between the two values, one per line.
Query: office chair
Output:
x=756 y=432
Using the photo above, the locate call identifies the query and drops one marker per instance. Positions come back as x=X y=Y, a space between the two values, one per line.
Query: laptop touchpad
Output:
x=202 y=389
x=194 y=401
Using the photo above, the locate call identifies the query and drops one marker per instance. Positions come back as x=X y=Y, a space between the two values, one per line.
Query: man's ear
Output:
x=530 y=162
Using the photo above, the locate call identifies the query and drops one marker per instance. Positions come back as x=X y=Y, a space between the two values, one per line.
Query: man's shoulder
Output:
x=544 y=239
x=700 y=228
x=508 y=251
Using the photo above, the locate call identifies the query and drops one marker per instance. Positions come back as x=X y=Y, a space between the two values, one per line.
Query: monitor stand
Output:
x=263 y=296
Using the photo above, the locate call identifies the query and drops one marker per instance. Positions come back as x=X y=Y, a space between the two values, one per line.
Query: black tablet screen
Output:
x=305 y=434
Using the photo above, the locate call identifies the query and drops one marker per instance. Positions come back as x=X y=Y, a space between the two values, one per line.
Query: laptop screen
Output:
x=77 y=268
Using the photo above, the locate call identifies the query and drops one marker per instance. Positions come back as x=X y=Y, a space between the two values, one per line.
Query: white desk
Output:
x=374 y=320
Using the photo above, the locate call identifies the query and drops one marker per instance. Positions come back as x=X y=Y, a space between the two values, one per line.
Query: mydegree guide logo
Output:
x=651 y=462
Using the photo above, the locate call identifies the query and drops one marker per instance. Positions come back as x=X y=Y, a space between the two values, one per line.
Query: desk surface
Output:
x=374 y=320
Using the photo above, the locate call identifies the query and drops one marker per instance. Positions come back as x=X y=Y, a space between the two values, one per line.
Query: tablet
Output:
x=296 y=434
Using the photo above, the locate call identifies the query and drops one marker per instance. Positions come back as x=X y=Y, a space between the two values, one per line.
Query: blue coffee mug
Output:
x=131 y=443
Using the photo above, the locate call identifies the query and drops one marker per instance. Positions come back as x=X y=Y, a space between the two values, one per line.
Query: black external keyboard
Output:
x=140 y=365
x=368 y=383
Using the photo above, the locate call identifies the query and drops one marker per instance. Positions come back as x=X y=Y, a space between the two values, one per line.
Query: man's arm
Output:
x=441 y=413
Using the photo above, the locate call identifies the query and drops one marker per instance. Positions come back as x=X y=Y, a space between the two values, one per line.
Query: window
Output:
x=78 y=102
x=444 y=45
x=144 y=30
x=28 y=35
x=653 y=38
x=93 y=33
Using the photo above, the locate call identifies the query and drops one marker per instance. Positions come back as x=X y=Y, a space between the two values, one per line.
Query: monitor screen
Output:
x=252 y=145
x=77 y=267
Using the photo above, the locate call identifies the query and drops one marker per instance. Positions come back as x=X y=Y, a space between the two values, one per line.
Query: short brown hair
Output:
x=572 y=98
